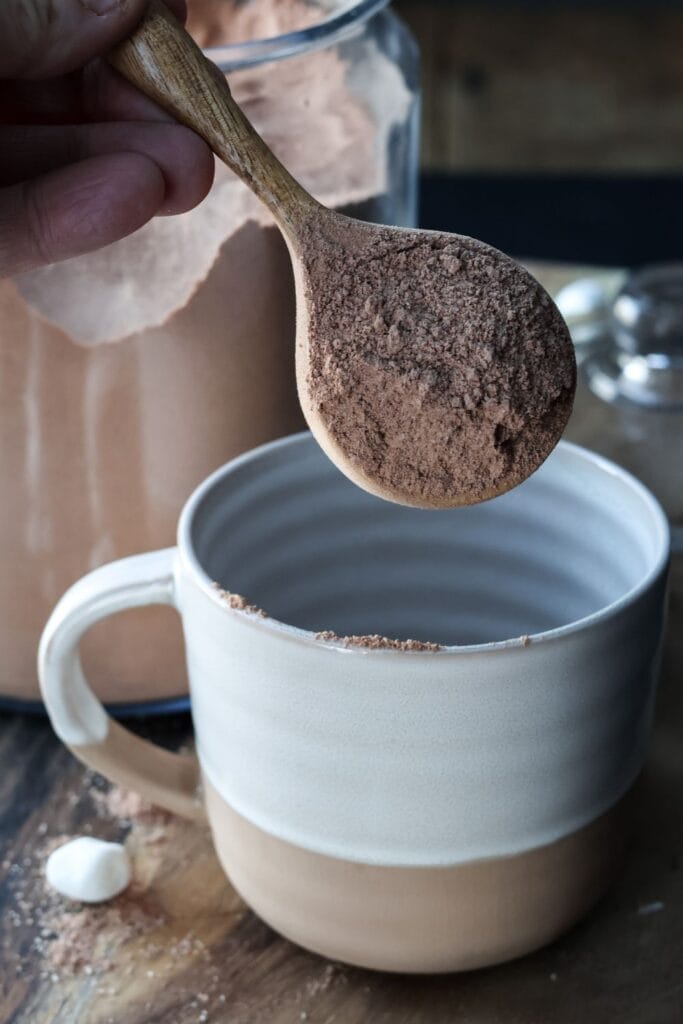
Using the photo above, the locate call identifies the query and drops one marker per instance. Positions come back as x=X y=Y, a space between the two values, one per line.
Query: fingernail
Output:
x=101 y=6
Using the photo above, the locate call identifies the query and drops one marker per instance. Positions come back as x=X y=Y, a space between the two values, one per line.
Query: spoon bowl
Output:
x=431 y=368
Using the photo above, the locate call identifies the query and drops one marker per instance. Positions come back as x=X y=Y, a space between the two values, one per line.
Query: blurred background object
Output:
x=554 y=128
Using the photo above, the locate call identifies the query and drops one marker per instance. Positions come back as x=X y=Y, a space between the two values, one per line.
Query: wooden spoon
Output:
x=432 y=369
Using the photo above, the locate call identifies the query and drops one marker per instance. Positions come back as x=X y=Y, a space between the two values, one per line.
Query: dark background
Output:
x=554 y=128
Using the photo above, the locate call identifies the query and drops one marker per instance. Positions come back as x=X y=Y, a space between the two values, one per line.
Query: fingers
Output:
x=107 y=96
x=77 y=209
x=96 y=93
x=184 y=161
x=75 y=188
x=39 y=38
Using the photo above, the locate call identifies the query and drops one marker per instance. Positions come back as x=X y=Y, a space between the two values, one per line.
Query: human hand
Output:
x=85 y=158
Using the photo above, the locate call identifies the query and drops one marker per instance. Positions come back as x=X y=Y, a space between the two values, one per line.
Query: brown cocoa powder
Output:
x=375 y=642
x=371 y=641
x=129 y=807
x=439 y=366
x=85 y=937
x=239 y=602
x=71 y=938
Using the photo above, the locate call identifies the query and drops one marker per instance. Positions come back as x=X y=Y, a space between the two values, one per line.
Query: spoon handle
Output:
x=163 y=60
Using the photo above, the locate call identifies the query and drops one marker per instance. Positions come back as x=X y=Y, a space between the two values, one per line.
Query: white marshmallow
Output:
x=87 y=869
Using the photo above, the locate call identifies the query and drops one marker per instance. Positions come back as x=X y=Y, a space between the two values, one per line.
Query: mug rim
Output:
x=191 y=563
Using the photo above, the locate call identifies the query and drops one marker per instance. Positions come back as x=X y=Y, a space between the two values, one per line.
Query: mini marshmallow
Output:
x=89 y=870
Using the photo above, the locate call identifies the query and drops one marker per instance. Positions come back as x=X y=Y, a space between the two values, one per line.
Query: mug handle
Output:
x=77 y=716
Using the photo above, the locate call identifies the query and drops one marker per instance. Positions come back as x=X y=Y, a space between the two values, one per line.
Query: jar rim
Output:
x=344 y=19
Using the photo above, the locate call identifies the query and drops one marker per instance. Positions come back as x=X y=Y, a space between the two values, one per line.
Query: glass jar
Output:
x=130 y=374
x=629 y=401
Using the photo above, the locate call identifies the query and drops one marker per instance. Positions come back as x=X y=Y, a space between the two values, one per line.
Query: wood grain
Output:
x=559 y=87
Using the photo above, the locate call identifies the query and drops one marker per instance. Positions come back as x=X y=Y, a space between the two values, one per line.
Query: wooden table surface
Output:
x=181 y=947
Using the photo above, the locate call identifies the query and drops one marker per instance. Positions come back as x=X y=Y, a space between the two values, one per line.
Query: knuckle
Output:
x=59 y=225
x=39 y=224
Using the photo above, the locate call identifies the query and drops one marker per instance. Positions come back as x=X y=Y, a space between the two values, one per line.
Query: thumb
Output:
x=41 y=38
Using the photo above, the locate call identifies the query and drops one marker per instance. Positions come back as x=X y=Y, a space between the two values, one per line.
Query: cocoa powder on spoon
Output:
x=438 y=391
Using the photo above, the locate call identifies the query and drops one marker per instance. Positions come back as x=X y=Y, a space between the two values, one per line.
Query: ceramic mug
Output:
x=398 y=809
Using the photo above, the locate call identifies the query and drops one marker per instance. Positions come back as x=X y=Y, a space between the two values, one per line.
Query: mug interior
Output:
x=285 y=529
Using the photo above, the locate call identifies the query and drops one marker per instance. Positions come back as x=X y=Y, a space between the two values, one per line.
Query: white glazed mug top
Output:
x=281 y=526
x=529 y=723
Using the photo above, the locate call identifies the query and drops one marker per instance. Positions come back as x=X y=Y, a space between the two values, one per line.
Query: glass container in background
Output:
x=128 y=375
x=629 y=403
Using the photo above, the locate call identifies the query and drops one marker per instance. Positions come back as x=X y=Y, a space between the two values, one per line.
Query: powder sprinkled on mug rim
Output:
x=370 y=641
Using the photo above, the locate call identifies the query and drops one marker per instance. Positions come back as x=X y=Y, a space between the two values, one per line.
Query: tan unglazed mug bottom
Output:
x=423 y=920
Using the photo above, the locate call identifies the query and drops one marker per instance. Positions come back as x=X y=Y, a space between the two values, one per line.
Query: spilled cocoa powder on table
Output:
x=456 y=391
